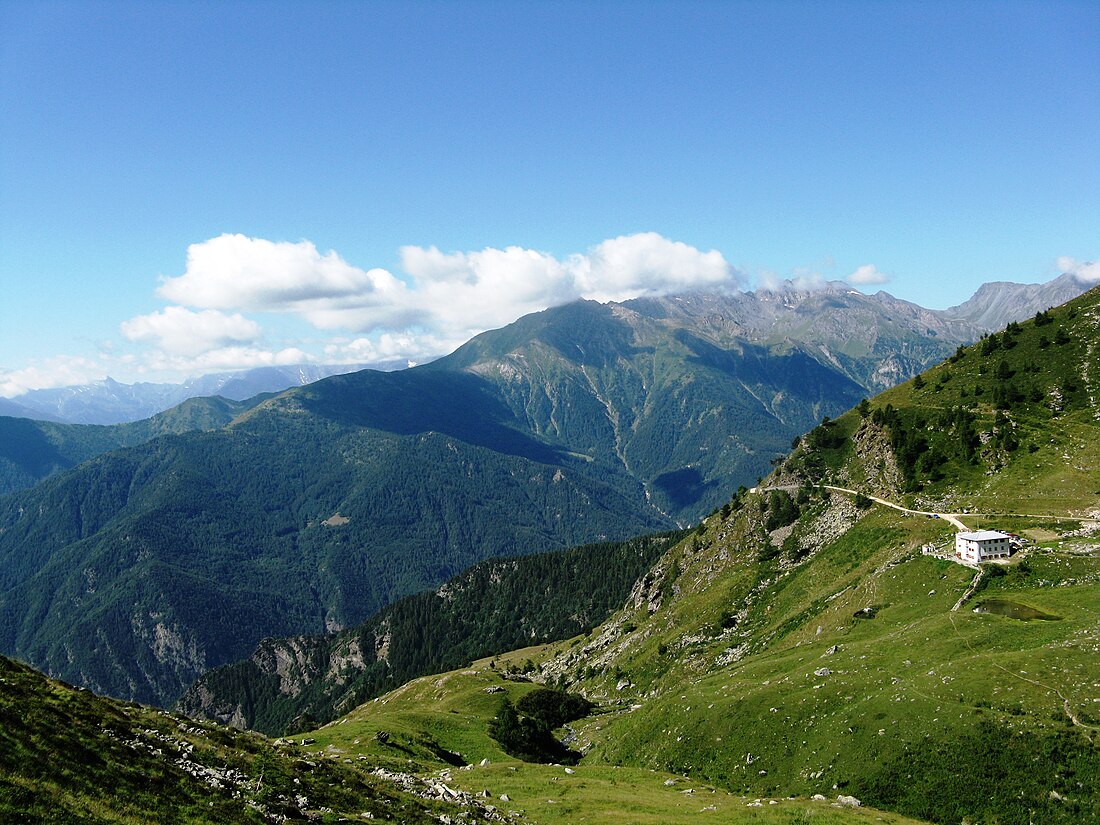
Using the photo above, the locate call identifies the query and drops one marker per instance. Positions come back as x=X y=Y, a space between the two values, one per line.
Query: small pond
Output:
x=1014 y=610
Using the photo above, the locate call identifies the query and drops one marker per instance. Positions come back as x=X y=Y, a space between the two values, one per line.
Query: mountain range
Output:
x=111 y=402
x=815 y=638
x=808 y=652
x=31 y=450
x=138 y=570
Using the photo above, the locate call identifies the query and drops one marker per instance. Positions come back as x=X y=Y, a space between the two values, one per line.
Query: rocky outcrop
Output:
x=876 y=458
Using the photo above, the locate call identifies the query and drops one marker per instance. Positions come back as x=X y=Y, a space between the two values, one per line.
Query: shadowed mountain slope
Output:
x=31 y=450
x=495 y=606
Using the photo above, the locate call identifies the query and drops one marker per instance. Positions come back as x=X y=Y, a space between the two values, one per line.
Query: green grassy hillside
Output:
x=1007 y=425
x=438 y=727
x=800 y=643
x=67 y=756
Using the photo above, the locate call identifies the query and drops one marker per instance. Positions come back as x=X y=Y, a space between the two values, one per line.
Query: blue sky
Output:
x=186 y=187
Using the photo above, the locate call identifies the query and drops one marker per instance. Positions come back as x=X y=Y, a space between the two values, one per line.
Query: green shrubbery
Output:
x=782 y=510
x=525 y=730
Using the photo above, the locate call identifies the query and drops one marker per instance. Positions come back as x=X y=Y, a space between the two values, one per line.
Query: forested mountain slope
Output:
x=656 y=401
x=498 y=605
x=31 y=450
x=138 y=571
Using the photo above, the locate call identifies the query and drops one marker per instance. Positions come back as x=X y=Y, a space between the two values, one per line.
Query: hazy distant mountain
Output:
x=110 y=402
x=32 y=450
x=14 y=409
x=998 y=303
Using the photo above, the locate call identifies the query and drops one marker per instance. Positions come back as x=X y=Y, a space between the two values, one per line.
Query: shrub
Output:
x=554 y=708
x=782 y=510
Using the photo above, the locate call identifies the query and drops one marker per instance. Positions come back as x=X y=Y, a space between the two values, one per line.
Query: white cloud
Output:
x=387 y=347
x=440 y=300
x=462 y=293
x=802 y=280
x=648 y=264
x=252 y=274
x=178 y=331
x=445 y=297
x=867 y=275
x=60 y=371
x=1087 y=271
x=226 y=359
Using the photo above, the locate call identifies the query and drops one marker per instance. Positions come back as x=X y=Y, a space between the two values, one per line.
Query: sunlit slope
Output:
x=851 y=673
x=800 y=642
x=68 y=756
x=1008 y=425
x=438 y=725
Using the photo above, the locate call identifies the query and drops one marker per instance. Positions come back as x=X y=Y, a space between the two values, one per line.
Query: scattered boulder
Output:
x=848 y=801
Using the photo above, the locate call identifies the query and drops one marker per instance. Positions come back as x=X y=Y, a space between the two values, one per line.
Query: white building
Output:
x=982 y=545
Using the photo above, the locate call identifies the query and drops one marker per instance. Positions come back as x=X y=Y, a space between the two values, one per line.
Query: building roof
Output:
x=983 y=535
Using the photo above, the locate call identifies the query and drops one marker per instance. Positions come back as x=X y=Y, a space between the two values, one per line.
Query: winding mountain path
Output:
x=951 y=518
x=955 y=518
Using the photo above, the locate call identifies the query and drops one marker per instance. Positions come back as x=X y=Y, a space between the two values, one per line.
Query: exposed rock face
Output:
x=876 y=456
x=996 y=304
